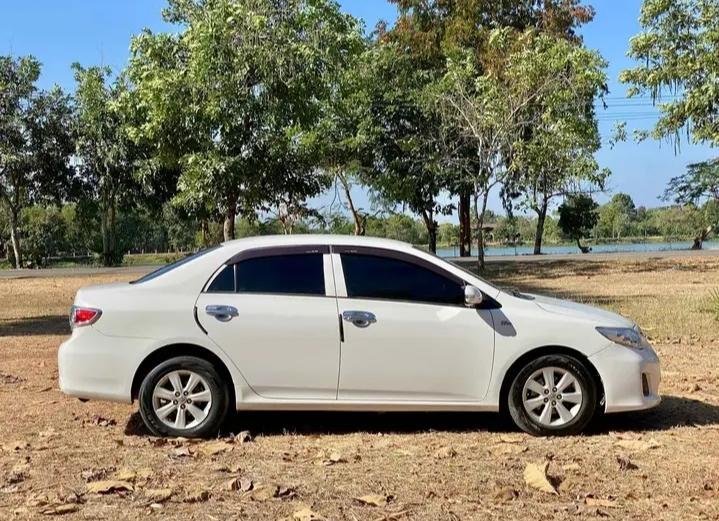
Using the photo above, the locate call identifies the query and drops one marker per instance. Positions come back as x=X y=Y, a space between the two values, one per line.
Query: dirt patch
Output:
x=94 y=460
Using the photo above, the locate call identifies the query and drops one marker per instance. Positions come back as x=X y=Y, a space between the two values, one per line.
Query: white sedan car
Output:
x=346 y=323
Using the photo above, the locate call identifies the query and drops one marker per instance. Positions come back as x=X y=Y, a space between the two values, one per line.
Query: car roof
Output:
x=265 y=241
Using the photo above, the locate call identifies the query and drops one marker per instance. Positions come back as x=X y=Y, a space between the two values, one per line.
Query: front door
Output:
x=407 y=334
x=271 y=312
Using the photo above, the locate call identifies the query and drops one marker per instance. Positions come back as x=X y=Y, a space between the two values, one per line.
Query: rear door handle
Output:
x=359 y=318
x=222 y=313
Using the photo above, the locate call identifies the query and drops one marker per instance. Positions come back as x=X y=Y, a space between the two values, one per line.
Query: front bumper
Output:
x=630 y=377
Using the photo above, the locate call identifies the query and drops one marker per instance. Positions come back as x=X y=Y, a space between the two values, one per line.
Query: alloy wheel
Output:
x=552 y=396
x=182 y=399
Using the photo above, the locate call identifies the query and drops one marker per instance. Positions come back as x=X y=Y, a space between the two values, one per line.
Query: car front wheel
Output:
x=184 y=396
x=553 y=395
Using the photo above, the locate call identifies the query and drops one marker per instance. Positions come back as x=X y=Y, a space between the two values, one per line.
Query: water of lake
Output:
x=596 y=248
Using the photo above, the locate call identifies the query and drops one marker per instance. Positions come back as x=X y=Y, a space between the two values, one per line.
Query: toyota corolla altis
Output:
x=346 y=323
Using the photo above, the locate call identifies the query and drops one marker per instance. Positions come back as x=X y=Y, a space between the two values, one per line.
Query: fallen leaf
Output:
x=376 y=500
x=60 y=510
x=158 y=495
x=243 y=437
x=241 y=484
x=262 y=492
x=10 y=379
x=506 y=494
x=100 y=421
x=535 y=475
x=626 y=463
x=286 y=492
x=307 y=514
x=197 y=495
x=182 y=452
x=17 y=475
x=105 y=487
x=445 y=453
x=126 y=475
x=215 y=448
x=333 y=458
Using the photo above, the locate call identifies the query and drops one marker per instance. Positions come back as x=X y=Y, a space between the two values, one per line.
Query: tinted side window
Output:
x=369 y=276
x=289 y=274
x=224 y=282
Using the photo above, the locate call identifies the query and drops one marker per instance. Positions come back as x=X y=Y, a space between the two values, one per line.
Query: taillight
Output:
x=80 y=316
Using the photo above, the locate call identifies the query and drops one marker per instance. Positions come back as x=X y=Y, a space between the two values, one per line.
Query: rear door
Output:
x=274 y=312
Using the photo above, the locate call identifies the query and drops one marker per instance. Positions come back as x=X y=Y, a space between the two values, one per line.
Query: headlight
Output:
x=624 y=336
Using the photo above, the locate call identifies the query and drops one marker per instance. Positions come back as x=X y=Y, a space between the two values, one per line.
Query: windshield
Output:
x=457 y=265
x=169 y=267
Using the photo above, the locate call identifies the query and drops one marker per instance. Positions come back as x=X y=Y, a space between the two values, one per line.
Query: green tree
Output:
x=234 y=96
x=617 y=217
x=427 y=36
x=45 y=233
x=35 y=143
x=577 y=217
x=105 y=154
x=699 y=184
x=525 y=106
x=676 y=54
x=554 y=154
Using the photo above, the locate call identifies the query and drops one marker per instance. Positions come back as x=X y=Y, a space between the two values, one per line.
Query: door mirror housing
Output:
x=473 y=296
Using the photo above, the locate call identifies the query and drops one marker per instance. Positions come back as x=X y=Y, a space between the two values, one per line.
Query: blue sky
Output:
x=94 y=32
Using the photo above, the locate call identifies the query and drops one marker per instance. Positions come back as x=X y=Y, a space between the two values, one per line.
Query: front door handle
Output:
x=359 y=318
x=222 y=313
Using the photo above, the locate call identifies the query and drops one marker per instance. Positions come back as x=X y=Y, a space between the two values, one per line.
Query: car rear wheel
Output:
x=553 y=395
x=184 y=396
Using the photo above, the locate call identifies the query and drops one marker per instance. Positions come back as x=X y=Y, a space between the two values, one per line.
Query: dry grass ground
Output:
x=658 y=465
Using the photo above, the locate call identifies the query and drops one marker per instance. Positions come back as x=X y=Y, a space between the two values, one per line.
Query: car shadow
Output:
x=674 y=411
x=45 y=325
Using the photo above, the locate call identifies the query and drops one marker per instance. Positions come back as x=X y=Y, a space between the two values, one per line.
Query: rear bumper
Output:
x=631 y=378
x=95 y=366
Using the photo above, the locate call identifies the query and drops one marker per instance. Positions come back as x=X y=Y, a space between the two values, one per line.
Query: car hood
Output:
x=581 y=311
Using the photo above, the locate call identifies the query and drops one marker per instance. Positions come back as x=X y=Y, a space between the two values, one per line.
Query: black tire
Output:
x=218 y=388
x=527 y=422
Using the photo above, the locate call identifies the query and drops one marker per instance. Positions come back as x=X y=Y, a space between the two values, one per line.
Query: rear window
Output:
x=169 y=267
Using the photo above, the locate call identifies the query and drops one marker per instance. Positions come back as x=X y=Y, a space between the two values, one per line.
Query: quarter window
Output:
x=301 y=274
x=377 y=277
x=224 y=282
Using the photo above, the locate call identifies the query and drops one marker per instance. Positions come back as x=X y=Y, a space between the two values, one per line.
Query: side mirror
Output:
x=473 y=297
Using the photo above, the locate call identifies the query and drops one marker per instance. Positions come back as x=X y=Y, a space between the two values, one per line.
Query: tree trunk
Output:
x=479 y=216
x=104 y=228
x=109 y=255
x=541 y=218
x=465 y=223
x=431 y=226
x=359 y=220
x=230 y=215
x=699 y=239
x=15 y=239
